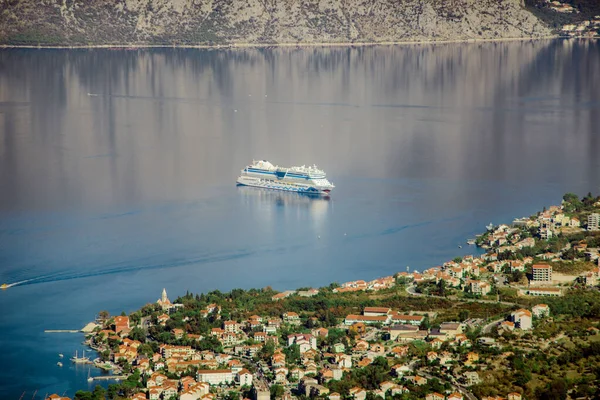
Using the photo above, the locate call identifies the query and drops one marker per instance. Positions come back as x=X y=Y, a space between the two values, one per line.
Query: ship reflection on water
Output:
x=274 y=207
x=281 y=198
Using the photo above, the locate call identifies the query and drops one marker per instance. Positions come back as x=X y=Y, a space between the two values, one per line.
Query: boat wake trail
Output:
x=394 y=230
x=144 y=265
x=24 y=282
x=69 y=275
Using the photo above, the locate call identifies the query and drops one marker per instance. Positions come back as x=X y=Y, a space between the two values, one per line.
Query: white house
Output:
x=343 y=360
x=541 y=310
x=154 y=393
x=231 y=326
x=215 y=376
x=193 y=393
x=303 y=339
x=522 y=318
x=479 y=287
x=542 y=291
x=291 y=318
x=415 y=320
x=245 y=377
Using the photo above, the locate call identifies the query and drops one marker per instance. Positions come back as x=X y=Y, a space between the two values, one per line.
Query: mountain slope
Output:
x=261 y=21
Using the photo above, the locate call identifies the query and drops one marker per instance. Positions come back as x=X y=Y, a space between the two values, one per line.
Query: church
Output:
x=166 y=304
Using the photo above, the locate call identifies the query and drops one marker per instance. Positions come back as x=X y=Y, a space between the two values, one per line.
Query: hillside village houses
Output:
x=398 y=327
x=367 y=333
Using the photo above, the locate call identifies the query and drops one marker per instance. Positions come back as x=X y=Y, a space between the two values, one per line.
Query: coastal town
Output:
x=520 y=321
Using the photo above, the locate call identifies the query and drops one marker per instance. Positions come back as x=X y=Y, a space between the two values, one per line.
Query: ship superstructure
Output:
x=303 y=179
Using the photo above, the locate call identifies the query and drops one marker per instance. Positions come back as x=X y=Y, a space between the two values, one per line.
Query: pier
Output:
x=61 y=331
x=109 y=377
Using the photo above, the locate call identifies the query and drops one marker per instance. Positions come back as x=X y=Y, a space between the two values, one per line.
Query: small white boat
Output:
x=59 y=364
x=60 y=355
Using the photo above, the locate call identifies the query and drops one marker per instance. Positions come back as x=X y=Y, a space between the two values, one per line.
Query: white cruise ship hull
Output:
x=284 y=186
x=307 y=180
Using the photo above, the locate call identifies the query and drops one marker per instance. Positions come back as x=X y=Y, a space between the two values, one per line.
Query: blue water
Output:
x=107 y=198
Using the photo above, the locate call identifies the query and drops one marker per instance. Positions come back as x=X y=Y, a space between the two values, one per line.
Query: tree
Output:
x=571 y=202
x=138 y=334
x=83 y=395
x=442 y=288
x=277 y=391
x=233 y=395
x=589 y=200
x=135 y=318
x=555 y=390
x=113 y=391
x=516 y=276
x=292 y=354
x=103 y=315
x=105 y=355
x=372 y=396
x=99 y=393
x=267 y=351
x=146 y=349
x=463 y=315
x=210 y=343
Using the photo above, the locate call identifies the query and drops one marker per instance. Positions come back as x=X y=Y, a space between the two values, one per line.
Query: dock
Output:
x=109 y=377
x=61 y=331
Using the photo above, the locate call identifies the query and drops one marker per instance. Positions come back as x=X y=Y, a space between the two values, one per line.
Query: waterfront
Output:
x=108 y=198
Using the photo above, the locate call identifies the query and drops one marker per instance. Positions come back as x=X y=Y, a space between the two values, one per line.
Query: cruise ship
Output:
x=307 y=180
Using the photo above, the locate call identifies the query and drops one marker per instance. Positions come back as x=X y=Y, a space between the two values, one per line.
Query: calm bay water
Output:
x=117 y=171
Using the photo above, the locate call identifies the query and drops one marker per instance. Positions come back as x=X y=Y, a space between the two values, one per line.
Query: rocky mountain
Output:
x=92 y=22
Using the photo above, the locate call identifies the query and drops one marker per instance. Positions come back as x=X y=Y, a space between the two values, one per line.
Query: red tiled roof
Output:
x=382 y=318
x=377 y=309
x=541 y=266
x=214 y=371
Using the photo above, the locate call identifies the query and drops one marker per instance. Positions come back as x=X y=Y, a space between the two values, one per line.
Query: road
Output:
x=488 y=327
x=260 y=373
x=465 y=392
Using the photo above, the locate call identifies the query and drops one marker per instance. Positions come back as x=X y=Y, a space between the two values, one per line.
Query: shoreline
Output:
x=237 y=338
x=287 y=45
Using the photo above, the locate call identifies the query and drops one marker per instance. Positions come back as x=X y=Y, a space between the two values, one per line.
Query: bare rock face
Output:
x=261 y=21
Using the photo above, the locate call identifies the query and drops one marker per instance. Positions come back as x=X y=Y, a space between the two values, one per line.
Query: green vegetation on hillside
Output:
x=187 y=22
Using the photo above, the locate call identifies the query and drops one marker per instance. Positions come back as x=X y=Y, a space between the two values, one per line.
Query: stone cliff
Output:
x=93 y=22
